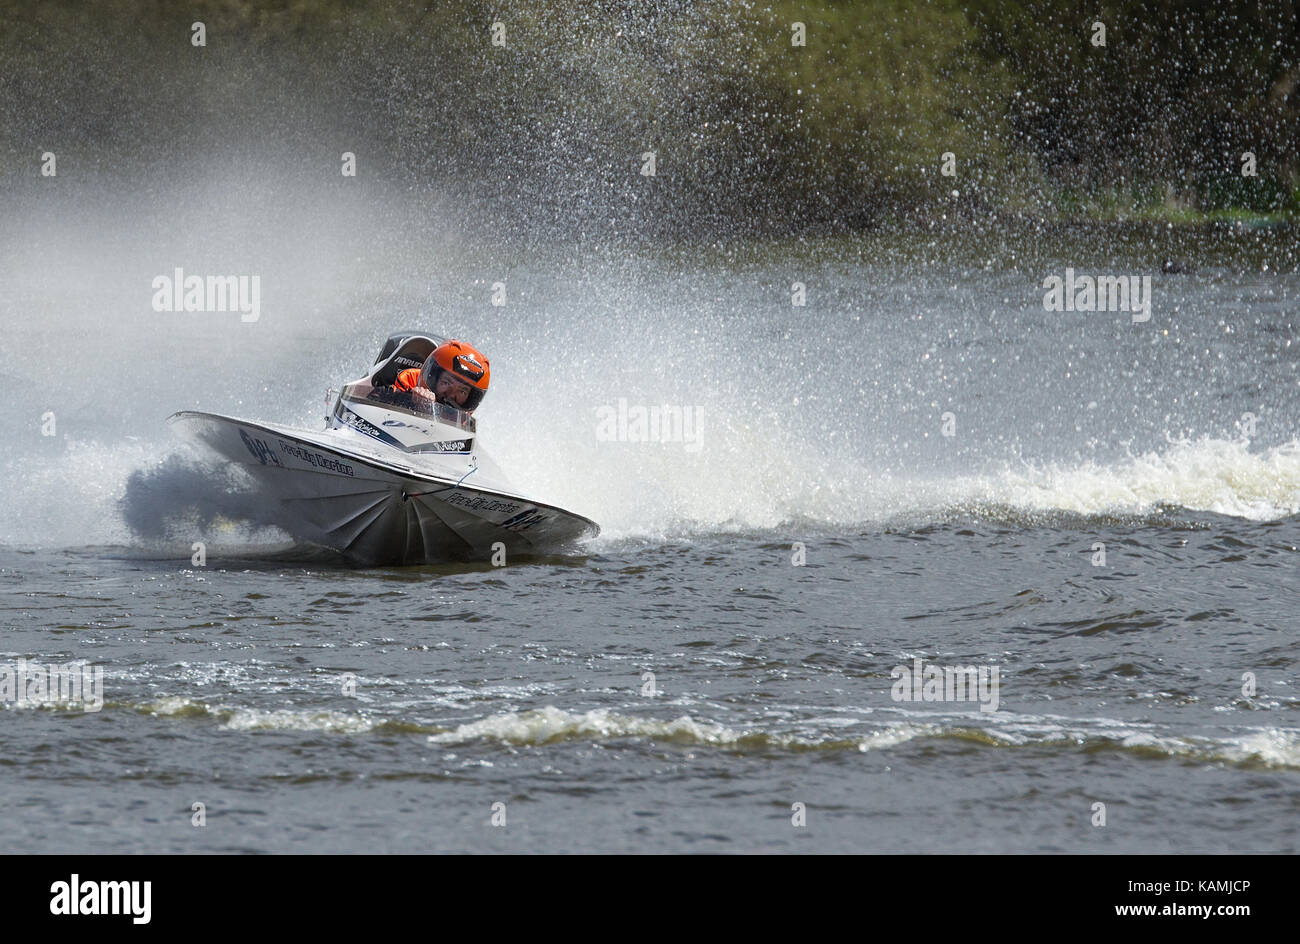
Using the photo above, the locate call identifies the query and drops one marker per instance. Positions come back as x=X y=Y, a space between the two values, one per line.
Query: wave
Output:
x=1211 y=475
x=1208 y=475
x=1273 y=747
x=1265 y=747
x=258 y=719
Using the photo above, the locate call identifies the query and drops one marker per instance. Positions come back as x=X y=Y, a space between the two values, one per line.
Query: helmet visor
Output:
x=450 y=389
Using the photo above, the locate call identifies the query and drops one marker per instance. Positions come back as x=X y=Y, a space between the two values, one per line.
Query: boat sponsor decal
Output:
x=450 y=445
x=525 y=520
x=480 y=503
x=260 y=450
x=349 y=418
x=315 y=459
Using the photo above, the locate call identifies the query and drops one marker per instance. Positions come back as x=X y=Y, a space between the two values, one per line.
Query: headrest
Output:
x=412 y=352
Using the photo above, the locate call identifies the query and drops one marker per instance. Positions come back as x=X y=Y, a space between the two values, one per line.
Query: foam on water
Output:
x=1271 y=747
x=760 y=489
x=548 y=725
x=261 y=719
x=1275 y=747
x=1215 y=475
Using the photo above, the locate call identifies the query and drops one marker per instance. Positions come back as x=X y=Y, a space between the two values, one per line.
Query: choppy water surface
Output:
x=313 y=707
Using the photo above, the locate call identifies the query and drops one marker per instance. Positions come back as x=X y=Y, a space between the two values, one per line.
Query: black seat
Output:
x=407 y=351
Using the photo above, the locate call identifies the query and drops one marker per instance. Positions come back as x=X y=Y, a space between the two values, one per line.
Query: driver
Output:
x=454 y=373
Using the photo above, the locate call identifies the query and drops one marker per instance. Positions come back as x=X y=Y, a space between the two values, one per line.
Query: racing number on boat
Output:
x=260 y=450
x=524 y=520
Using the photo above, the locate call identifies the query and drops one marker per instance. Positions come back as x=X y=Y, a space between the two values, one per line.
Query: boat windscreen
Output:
x=403 y=402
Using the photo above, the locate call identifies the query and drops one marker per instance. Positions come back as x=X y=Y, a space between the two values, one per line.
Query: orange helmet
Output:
x=464 y=363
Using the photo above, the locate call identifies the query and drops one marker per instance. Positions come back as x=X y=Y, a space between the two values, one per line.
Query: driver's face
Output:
x=450 y=390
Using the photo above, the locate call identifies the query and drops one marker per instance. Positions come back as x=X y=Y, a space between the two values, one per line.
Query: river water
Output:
x=919 y=466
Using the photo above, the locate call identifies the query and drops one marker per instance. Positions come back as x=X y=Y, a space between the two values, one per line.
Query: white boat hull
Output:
x=339 y=488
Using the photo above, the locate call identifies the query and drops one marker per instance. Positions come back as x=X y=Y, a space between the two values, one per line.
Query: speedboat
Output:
x=388 y=482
